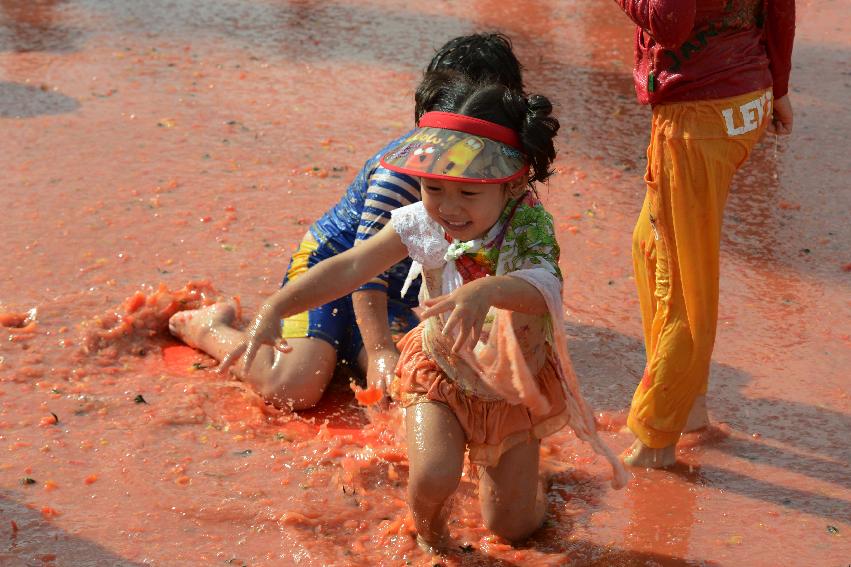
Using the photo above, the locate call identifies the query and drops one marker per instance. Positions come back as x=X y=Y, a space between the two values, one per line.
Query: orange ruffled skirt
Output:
x=492 y=427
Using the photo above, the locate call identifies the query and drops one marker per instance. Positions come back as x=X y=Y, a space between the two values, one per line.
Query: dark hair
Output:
x=486 y=57
x=528 y=115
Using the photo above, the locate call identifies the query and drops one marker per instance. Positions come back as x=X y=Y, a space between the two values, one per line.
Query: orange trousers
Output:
x=695 y=148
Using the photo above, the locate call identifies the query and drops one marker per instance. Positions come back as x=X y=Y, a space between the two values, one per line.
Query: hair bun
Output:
x=538 y=105
x=537 y=134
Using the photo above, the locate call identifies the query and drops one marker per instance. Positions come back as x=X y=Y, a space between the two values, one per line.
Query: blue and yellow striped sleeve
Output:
x=386 y=191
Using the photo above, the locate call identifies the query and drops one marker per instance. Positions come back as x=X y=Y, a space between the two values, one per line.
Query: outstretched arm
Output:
x=340 y=275
x=669 y=21
x=327 y=280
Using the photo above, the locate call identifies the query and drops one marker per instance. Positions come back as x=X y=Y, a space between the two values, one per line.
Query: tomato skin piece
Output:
x=11 y=319
x=49 y=420
x=368 y=396
x=134 y=302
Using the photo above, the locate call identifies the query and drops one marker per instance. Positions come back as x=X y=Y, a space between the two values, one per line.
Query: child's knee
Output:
x=510 y=525
x=292 y=400
x=287 y=389
x=511 y=515
x=432 y=484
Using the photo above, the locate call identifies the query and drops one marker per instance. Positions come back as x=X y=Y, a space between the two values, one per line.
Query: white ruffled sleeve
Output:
x=420 y=234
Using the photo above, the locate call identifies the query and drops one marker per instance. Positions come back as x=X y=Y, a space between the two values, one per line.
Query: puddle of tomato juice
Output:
x=145 y=145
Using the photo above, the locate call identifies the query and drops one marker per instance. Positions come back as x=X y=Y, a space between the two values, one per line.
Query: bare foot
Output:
x=611 y=420
x=698 y=417
x=640 y=455
x=193 y=326
x=711 y=434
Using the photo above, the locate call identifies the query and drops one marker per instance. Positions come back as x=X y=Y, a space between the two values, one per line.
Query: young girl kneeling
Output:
x=487 y=370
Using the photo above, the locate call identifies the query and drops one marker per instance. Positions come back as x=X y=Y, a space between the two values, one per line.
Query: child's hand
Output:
x=264 y=330
x=782 y=118
x=469 y=305
x=381 y=368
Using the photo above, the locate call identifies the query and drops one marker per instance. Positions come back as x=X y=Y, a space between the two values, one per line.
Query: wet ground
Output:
x=161 y=142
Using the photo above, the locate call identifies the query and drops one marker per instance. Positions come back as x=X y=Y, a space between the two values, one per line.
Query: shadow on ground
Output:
x=30 y=539
x=25 y=101
x=799 y=438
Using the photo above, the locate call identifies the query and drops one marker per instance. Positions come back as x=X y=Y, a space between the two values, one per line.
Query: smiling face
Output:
x=465 y=210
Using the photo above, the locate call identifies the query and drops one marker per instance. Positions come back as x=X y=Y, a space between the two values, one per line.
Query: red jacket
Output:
x=710 y=49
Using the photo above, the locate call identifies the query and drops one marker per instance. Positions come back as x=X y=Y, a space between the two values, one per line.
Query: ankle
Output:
x=640 y=455
x=698 y=417
x=434 y=545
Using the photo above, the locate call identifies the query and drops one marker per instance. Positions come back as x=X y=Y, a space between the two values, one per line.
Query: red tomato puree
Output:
x=158 y=156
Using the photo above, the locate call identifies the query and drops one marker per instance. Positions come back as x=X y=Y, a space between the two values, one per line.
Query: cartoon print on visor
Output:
x=459 y=156
x=442 y=153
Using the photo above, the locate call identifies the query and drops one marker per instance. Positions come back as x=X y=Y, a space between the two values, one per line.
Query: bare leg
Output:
x=511 y=494
x=293 y=380
x=640 y=455
x=363 y=360
x=698 y=417
x=436 y=445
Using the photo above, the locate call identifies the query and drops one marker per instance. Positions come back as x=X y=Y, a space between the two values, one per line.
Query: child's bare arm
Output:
x=371 y=316
x=339 y=275
x=327 y=280
x=669 y=21
x=470 y=303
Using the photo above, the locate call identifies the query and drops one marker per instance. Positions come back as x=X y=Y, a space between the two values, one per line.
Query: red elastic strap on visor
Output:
x=470 y=125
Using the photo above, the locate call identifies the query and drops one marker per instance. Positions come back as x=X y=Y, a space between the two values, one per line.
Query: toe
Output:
x=176 y=322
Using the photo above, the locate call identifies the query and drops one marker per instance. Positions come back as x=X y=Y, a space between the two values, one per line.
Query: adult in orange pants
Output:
x=717 y=75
